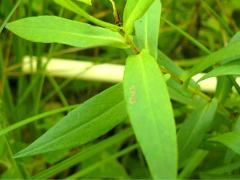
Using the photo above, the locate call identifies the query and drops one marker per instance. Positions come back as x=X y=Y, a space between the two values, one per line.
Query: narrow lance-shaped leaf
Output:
x=85 y=153
x=147 y=28
x=92 y=119
x=193 y=129
x=129 y=6
x=192 y=164
x=72 y=6
x=223 y=88
x=230 y=140
x=168 y=63
x=176 y=91
x=226 y=54
x=223 y=71
x=134 y=9
x=52 y=29
x=88 y=2
x=151 y=115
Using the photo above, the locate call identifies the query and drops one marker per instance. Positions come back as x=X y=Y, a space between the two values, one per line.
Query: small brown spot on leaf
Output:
x=132 y=97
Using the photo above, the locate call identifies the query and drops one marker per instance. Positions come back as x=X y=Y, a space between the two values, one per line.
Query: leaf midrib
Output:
x=148 y=95
x=100 y=37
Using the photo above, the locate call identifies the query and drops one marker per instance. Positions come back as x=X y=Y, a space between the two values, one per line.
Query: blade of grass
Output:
x=192 y=164
x=222 y=71
x=230 y=140
x=194 y=128
x=99 y=164
x=10 y=15
x=58 y=90
x=35 y=118
x=188 y=36
x=199 y=45
x=222 y=22
x=224 y=169
x=84 y=154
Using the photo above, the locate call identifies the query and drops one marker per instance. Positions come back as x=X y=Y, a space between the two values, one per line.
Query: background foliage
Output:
x=190 y=30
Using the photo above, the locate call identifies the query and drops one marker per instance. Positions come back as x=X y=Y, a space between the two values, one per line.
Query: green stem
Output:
x=101 y=23
x=68 y=4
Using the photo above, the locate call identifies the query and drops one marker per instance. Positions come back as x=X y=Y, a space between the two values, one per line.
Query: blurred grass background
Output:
x=212 y=23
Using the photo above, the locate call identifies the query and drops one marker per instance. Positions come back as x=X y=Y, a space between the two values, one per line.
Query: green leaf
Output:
x=195 y=160
x=92 y=119
x=230 y=139
x=224 y=87
x=176 y=89
x=223 y=71
x=84 y=154
x=71 y=6
x=52 y=29
x=172 y=68
x=178 y=94
x=134 y=9
x=147 y=34
x=169 y=64
x=227 y=54
x=228 y=168
x=151 y=114
x=130 y=4
x=88 y=2
x=194 y=128
x=109 y=170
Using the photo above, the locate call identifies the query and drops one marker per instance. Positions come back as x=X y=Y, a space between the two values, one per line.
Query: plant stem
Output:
x=68 y=4
x=235 y=84
x=115 y=13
